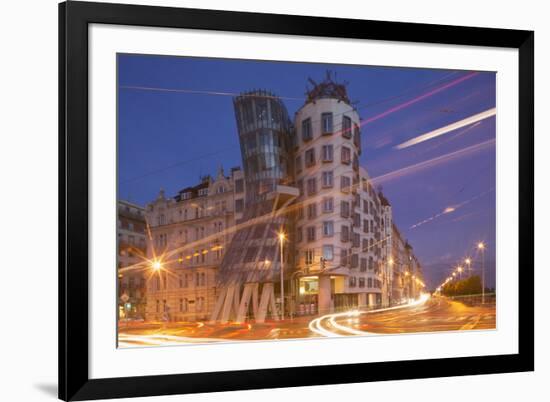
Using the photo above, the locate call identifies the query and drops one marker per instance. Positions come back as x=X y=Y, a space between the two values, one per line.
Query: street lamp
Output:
x=468 y=262
x=156 y=265
x=281 y=236
x=459 y=269
x=389 y=279
x=481 y=247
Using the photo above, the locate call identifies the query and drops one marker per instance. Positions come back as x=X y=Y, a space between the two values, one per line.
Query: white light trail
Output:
x=317 y=327
x=446 y=129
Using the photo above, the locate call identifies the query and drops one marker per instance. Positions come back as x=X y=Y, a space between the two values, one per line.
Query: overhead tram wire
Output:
x=233 y=94
x=337 y=125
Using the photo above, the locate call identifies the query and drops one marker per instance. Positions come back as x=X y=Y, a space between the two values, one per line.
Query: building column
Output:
x=372 y=299
x=325 y=295
x=362 y=300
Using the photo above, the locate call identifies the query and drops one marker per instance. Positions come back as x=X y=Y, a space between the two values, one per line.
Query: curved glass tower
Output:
x=265 y=135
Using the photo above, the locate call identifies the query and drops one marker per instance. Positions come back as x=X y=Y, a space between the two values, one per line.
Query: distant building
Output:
x=189 y=234
x=131 y=235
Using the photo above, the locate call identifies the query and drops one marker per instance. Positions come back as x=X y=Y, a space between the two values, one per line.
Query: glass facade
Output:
x=265 y=135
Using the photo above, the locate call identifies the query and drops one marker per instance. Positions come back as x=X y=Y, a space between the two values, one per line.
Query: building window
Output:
x=328 y=228
x=307 y=134
x=356 y=241
x=344 y=234
x=312 y=211
x=300 y=186
x=326 y=123
x=344 y=209
x=311 y=186
x=203 y=279
x=354 y=260
x=346 y=155
x=363 y=265
x=310 y=157
x=250 y=255
x=328 y=252
x=345 y=184
x=371 y=263
x=239 y=205
x=357 y=220
x=299 y=235
x=239 y=185
x=352 y=281
x=328 y=153
x=328 y=204
x=309 y=255
x=365 y=226
x=344 y=257
x=310 y=233
x=300 y=213
x=365 y=245
x=200 y=303
x=298 y=164
x=183 y=305
x=346 y=127
x=327 y=179
x=357 y=137
x=369 y=281
x=361 y=282
x=157 y=308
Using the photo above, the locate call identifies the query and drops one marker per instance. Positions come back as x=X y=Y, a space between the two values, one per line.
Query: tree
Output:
x=468 y=286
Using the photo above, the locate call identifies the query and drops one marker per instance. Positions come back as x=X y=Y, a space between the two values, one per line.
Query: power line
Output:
x=381 y=101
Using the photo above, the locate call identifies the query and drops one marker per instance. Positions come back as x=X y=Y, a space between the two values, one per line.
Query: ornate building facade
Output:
x=131 y=240
x=189 y=234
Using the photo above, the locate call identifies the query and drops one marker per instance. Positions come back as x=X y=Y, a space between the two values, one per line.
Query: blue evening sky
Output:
x=169 y=139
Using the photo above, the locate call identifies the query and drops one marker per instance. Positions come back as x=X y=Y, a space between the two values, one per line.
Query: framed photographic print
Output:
x=259 y=201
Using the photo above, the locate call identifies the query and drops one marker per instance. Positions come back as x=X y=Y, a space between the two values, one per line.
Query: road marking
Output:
x=471 y=325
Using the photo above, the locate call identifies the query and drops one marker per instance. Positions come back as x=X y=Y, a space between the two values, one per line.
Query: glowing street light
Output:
x=156 y=265
x=481 y=247
x=459 y=269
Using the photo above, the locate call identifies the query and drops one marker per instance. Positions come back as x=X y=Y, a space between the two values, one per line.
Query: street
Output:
x=423 y=315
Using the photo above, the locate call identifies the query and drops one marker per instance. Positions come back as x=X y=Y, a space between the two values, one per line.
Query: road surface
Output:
x=425 y=315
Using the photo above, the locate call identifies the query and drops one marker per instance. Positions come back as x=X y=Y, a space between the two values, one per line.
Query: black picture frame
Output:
x=74 y=18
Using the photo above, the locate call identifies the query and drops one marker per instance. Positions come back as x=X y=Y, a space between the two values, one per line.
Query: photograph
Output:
x=275 y=200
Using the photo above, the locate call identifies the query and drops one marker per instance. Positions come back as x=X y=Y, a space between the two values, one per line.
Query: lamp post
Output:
x=468 y=262
x=389 y=279
x=281 y=241
x=481 y=247
x=459 y=269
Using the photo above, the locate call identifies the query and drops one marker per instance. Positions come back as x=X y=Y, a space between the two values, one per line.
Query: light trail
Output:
x=316 y=325
x=419 y=98
x=434 y=161
x=448 y=128
x=128 y=340
x=450 y=209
